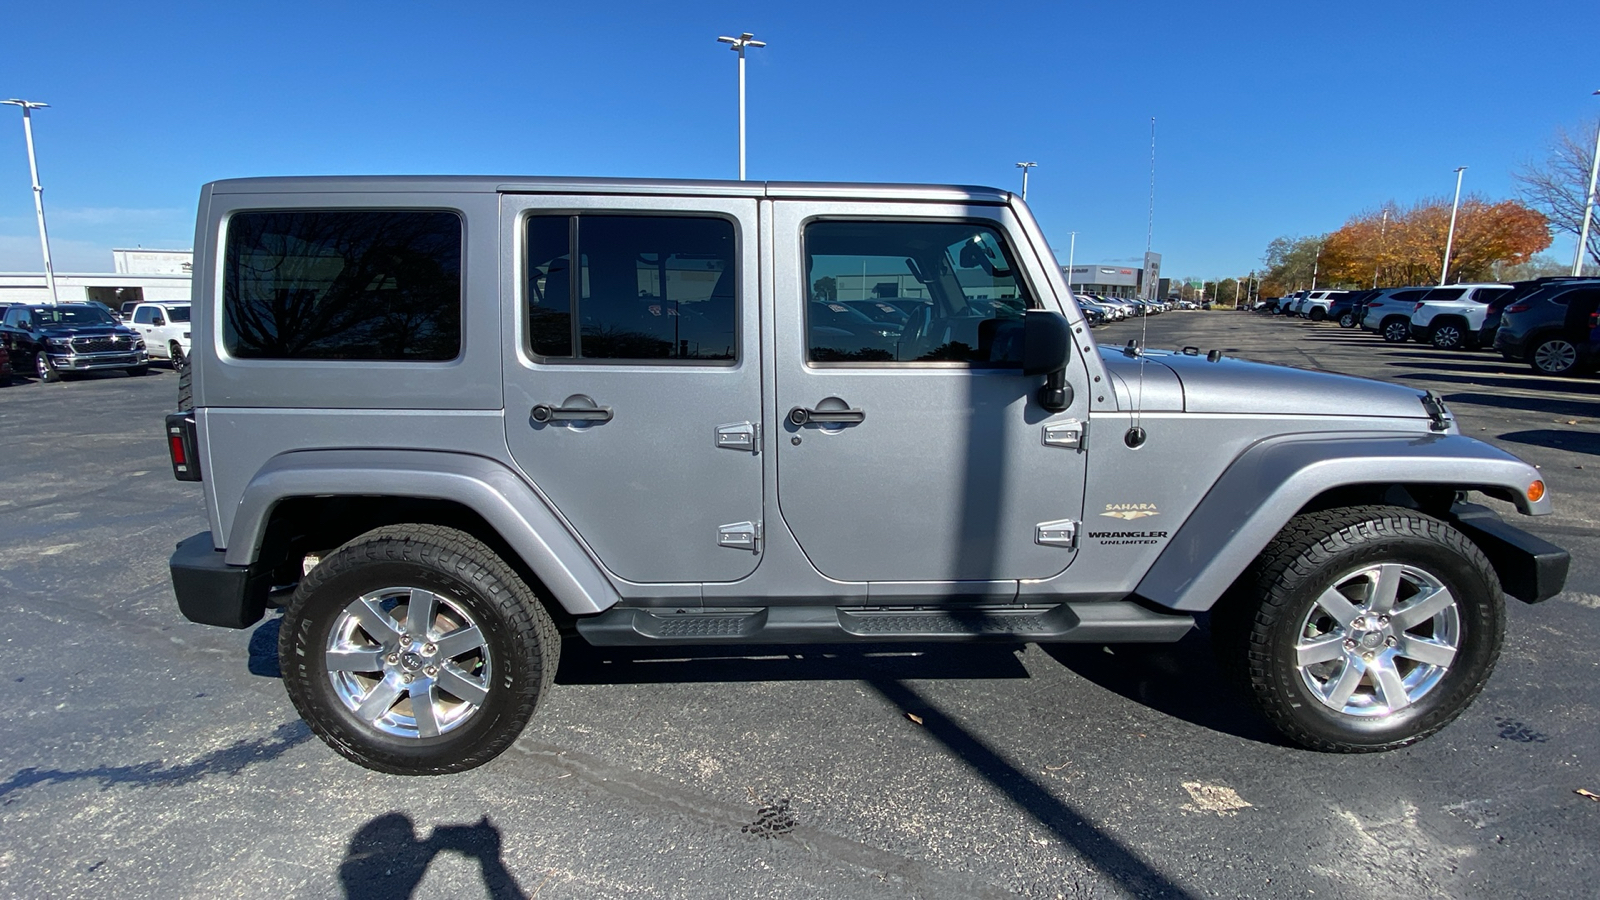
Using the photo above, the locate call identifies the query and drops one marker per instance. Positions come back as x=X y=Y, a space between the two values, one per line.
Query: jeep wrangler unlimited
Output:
x=442 y=421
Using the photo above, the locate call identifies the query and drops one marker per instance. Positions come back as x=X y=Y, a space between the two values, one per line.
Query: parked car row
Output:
x=1101 y=309
x=50 y=342
x=1552 y=324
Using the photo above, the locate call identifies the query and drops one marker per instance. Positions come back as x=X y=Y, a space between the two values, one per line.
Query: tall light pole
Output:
x=1588 y=204
x=738 y=45
x=1025 y=166
x=1072 y=251
x=1450 y=239
x=28 y=106
x=1377 y=258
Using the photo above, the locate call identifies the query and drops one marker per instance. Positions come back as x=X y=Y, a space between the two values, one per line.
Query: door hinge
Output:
x=1061 y=533
x=744 y=436
x=740 y=536
x=1067 y=434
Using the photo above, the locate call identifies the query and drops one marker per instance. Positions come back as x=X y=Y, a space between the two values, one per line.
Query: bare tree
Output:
x=1557 y=185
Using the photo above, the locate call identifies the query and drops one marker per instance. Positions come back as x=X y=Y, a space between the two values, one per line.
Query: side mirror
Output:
x=1046 y=347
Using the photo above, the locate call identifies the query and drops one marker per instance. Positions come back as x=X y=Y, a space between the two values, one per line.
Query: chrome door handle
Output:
x=544 y=412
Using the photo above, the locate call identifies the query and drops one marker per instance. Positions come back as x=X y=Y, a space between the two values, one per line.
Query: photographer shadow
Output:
x=386 y=859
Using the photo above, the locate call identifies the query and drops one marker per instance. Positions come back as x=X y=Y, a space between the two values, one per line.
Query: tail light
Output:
x=182 y=447
x=1594 y=320
x=1374 y=304
x=1417 y=307
x=1517 y=307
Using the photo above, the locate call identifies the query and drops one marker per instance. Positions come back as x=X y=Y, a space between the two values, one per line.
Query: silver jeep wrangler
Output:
x=442 y=422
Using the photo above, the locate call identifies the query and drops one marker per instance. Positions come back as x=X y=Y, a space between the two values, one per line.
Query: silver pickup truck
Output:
x=443 y=422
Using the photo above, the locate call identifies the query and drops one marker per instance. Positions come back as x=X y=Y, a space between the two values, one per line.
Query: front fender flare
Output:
x=489 y=488
x=1273 y=480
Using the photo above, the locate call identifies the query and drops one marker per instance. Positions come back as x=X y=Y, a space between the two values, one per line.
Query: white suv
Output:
x=1316 y=306
x=1450 y=317
x=165 y=327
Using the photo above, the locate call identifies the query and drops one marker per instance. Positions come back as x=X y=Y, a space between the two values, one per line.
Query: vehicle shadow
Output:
x=386 y=859
x=263 y=649
x=1487 y=381
x=230 y=760
x=583 y=663
x=1180 y=680
x=1570 y=408
x=1575 y=441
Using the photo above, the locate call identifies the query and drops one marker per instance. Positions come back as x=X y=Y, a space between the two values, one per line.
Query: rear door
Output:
x=632 y=376
x=931 y=473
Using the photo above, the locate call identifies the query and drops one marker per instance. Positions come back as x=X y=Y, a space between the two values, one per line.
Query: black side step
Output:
x=1062 y=622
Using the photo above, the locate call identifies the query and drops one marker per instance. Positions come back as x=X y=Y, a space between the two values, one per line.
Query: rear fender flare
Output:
x=489 y=488
x=1273 y=480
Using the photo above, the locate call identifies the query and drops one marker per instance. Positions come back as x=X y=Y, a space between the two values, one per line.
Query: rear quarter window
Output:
x=343 y=285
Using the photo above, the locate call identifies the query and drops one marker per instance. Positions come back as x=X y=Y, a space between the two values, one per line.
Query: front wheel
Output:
x=1363 y=629
x=1347 y=321
x=43 y=369
x=1448 y=336
x=415 y=650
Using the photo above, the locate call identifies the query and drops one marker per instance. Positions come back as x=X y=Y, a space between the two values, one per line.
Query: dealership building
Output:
x=1116 y=280
x=139 y=275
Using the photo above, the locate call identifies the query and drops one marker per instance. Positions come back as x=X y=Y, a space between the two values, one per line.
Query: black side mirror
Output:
x=1046 y=347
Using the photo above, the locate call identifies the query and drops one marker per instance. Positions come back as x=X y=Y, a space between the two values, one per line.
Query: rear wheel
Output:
x=415 y=650
x=1363 y=629
x=1554 y=356
x=175 y=353
x=1396 y=330
x=1449 y=336
x=1317 y=314
x=1347 y=320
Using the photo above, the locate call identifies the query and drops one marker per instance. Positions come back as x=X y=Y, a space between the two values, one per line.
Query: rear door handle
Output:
x=801 y=416
x=546 y=413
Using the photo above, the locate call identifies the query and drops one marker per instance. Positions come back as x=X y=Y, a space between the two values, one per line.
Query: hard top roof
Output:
x=513 y=184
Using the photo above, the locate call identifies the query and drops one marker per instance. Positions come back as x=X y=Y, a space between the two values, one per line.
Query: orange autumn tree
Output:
x=1409 y=248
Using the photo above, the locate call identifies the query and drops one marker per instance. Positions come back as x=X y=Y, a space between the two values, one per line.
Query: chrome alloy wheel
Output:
x=1555 y=357
x=409 y=662
x=1380 y=639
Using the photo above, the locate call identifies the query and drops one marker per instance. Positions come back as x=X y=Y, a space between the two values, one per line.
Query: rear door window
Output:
x=343 y=285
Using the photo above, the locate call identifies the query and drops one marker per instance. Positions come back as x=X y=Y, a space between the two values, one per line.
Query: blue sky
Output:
x=1273 y=118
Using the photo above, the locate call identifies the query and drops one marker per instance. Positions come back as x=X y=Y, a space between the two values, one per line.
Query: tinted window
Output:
x=64 y=314
x=177 y=314
x=1442 y=295
x=955 y=282
x=144 y=315
x=647 y=288
x=324 y=284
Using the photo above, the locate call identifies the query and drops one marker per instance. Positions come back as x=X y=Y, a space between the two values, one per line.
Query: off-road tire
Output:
x=185 y=389
x=519 y=633
x=1396 y=330
x=1255 y=626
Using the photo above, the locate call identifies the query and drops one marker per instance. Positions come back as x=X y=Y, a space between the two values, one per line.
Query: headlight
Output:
x=139 y=344
x=60 y=343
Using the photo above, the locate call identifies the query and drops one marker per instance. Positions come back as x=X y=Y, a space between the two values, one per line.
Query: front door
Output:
x=912 y=448
x=633 y=382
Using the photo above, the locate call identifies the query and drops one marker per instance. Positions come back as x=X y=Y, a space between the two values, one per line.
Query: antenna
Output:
x=1136 y=436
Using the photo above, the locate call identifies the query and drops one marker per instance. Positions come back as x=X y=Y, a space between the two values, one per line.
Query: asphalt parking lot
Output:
x=147 y=757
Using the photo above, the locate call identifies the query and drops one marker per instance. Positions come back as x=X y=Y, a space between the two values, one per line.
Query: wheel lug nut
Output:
x=406 y=678
x=1383 y=620
x=431 y=671
x=1349 y=644
x=429 y=648
x=1390 y=641
x=393 y=657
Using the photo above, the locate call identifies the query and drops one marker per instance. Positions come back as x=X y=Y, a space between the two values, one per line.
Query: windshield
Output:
x=69 y=315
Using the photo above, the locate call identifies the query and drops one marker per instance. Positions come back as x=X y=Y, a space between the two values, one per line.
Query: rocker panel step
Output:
x=1116 y=622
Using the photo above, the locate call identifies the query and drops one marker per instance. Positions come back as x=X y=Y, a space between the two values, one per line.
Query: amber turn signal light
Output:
x=1535 y=491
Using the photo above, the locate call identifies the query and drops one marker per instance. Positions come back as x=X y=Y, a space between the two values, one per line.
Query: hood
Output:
x=1236 y=386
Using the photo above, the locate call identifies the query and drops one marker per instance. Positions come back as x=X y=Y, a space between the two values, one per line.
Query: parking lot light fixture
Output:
x=1588 y=203
x=1450 y=238
x=737 y=45
x=1025 y=166
x=28 y=106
